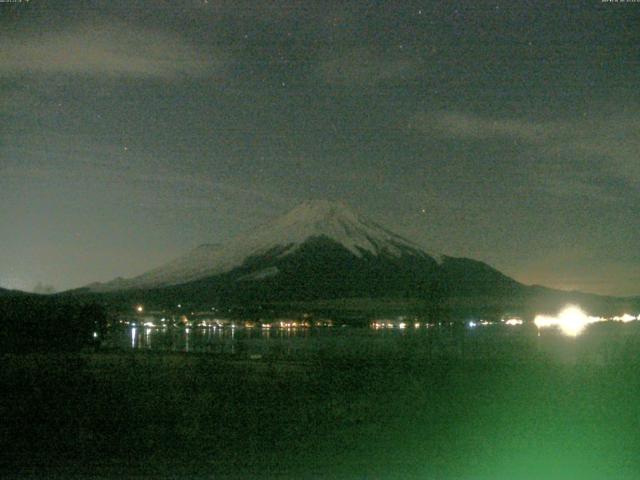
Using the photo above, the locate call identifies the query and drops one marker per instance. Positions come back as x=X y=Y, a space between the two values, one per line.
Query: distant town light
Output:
x=139 y=309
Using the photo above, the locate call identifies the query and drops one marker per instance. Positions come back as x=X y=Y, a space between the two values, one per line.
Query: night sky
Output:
x=132 y=131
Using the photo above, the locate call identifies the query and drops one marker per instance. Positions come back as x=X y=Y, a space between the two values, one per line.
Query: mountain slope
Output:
x=320 y=219
x=12 y=293
x=180 y=270
x=321 y=268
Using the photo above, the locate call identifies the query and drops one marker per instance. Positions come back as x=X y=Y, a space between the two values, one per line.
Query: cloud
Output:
x=114 y=49
x=92 y=167
x=363 y=67
x=604 y=144
x=269 y=10
x=475 y=127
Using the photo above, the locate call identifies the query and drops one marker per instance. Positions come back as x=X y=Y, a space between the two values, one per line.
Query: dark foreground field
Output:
x=197 y=416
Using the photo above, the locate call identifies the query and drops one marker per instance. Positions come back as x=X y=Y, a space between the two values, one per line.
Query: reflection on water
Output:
x=290 y=342
x=598 y=343
x=230 y=339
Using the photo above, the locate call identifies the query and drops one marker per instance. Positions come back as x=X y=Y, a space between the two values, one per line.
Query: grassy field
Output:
x=200 y=416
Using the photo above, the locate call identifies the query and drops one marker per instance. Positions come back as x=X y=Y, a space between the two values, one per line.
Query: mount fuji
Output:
x=318 y=250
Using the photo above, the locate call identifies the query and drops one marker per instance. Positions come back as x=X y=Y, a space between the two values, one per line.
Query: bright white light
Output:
x=513 y=321
x=571 y=321
x=139 y=309
x=95 y=334
x=472 y=324
x=402 y=325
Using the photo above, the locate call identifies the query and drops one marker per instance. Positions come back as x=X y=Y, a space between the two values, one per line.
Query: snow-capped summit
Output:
x=330 y=220
x=333 y=220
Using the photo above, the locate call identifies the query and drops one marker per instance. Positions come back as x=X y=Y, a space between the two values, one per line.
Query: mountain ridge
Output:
x=324 y=251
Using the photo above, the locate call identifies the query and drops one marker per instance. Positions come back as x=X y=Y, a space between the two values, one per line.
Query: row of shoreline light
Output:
x=225 y=324
x=571 y=321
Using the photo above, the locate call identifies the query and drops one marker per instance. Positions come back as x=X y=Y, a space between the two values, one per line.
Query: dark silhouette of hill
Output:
x=36 y=323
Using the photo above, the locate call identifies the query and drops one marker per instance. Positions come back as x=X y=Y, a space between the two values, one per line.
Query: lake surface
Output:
x=396 y=403
x=600 y=343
